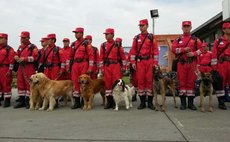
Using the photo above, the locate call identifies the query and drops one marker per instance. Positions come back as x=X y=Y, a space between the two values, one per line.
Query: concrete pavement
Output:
x=66 y=125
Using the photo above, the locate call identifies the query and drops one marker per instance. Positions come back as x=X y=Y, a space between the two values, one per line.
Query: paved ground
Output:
x=66 y=125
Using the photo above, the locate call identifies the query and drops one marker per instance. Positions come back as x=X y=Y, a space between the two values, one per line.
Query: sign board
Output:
x=226 y=10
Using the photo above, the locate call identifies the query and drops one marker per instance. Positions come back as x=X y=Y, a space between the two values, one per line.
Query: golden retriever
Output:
x=35 y=97
x=89 y=88
x=52 y=89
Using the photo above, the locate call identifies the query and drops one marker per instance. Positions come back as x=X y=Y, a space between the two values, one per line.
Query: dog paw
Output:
x=49 y=109
x=202 y=109
x=127 y=108
x=175 y=106
x=162 y=110
x=210 y=109
x=84 y=108
x=31 y=109
x=41 y=109
x=116 y=109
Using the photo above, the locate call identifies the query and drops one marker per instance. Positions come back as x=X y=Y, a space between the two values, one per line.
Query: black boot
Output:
x=134 y=97
x=0 y=103
x=76 y=103
x=2 y=97
x=82 y=102
x=183 y=102
x=56 y=104
x=190 y=103
x=109 y=102
x=21 y=102
x=142 y=105
x=6 y=102
x=27 y=102
x=221 y=104
x=150 y=102
x=112 y=103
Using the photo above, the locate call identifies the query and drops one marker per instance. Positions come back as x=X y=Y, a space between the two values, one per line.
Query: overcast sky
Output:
x=42 y=17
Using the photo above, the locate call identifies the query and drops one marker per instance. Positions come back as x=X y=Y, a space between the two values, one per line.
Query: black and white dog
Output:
x=122 y=92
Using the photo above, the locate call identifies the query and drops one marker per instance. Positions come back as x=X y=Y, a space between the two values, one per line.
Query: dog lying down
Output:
x=122 y=92
x=51 y=90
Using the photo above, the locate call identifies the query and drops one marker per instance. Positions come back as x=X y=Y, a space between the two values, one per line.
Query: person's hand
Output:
x=9 y=73
x=134 y=66
x=187 y=49
x=190 y=54
x=21 y=59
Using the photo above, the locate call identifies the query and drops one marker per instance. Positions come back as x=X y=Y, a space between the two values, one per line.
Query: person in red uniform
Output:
x=6 y=66
x=44 y=45
x=66 y=49
x=144 y=55
x=221 y=62
x=204 y=60
x=133 y=78
x=187 y=48
x=111 y=59
x=95 y=69
x=80 y=62
x=53 y=59
x=26 y=55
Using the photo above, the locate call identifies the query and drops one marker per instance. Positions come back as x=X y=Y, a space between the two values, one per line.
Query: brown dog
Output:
x=35 y=97
x=89 y=88
x=206 y=89
x=52 y=89
x=160 y=84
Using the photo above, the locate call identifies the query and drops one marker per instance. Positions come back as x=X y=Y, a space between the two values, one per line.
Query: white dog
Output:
x=122 y=92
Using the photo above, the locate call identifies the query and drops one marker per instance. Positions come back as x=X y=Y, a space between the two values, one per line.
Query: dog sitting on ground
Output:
x=89 y=88
x=122 y=92
x=206 y=89
x=50 y=90
x=160 y=84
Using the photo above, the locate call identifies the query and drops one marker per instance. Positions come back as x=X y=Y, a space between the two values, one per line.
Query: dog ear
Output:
x=114 y=84
x=123 y=85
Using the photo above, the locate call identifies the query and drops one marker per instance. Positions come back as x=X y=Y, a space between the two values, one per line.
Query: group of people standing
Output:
x=81 y=57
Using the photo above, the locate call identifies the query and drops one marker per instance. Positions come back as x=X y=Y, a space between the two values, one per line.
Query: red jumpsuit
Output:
x=223 y=66
x=54 y=63
x=112 y=70
x=82 y=62
x=6 y=66
x=133 y=76
x=147 y=57
x=95 y=69
x=66 y=75
x=186 y=67
x=26 y=69
x=204 y=61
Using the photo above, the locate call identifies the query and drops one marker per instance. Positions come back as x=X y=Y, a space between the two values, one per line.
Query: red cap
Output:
x=25 y=34
x=3 y=35
x=186 y=23
x=79 y=30
x=66 y=39
x=226 y=25
x=51 y=36
x=109 y=31
x=43 y=39
x=143 y=22
x=88 y=37
x=118 y=39
x=205 y=44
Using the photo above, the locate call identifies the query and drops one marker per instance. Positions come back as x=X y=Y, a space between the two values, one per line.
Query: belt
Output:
x=79 y=60
x=51 y=64
x=4 y=65
x=204 y=64
x=188 y=61
x=143 y=57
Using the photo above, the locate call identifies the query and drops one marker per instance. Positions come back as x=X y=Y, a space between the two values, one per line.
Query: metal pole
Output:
x=153 y=26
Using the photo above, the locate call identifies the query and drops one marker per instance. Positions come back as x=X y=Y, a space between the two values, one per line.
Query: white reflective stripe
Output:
x=219 y=95
x=8 y=96
x=132 y=57
x=101 y=64
x=190 y=94
x=91 y=62
x=30 y=59
x=11 y=66
x=67 y=62
x=124 y=62
x=213 y=61
x=21 y=91
x=219 y=91
x=62 y=65
x=178 y=50
x=190 y=91
x=198 y=52
x=76 y=94
x=156 y=58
